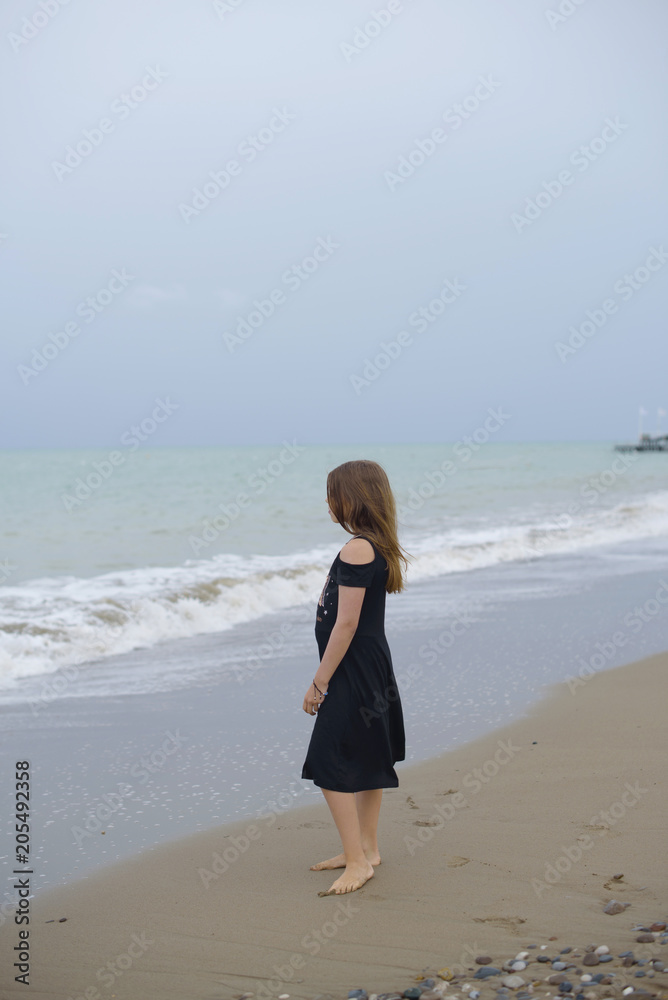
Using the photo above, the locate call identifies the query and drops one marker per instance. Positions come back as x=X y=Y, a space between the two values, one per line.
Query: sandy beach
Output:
x=282 y=278
x=509 y=841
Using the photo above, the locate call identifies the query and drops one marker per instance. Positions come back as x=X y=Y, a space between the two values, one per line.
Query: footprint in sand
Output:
x=315 y=824
x=411 y=802
x=617 y=885
x=457 y=862
x=507 y=923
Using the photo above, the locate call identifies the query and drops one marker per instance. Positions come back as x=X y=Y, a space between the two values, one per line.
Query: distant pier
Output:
x=646 y=443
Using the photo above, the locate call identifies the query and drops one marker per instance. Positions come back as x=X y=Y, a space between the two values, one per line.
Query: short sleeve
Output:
x=355 y=574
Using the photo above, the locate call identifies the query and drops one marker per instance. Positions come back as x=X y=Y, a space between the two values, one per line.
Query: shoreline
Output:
x=116 y=775
x=473 y=845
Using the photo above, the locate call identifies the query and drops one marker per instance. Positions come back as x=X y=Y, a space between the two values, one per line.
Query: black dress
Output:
x=359 y=728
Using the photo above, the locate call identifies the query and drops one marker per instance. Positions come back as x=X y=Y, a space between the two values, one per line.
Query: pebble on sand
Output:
x=513 y=982
x=511 y=986
x=614 y=906
x=485 y=971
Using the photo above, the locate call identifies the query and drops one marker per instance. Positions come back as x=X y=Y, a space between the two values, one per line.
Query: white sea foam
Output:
x=50 y=623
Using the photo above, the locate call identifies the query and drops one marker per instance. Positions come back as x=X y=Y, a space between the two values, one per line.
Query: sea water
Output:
x=103 y=553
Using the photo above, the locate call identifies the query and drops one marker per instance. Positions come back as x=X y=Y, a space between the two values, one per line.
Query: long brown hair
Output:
x=361 y=500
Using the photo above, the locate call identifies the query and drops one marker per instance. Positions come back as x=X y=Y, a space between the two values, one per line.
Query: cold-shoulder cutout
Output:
x=357 y=573
x=358 y=550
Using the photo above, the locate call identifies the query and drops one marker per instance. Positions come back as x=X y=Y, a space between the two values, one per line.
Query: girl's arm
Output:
x=357 y=551
x=347 y=620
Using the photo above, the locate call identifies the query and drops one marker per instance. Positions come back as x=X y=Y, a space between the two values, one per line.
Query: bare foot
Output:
x=373 y=857
x=353 y=878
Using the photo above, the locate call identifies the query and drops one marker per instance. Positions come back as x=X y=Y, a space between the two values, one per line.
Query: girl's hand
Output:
x=313 y=700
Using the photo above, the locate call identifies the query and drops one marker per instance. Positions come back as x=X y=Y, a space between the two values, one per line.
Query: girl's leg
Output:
x=367 y=806
x=358 y=869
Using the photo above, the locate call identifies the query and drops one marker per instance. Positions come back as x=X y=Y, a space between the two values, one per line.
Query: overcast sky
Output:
x=401 y=141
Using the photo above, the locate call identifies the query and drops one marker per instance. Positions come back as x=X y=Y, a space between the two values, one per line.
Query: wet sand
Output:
x=508 y=841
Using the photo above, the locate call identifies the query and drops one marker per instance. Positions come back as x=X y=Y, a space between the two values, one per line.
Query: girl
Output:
x=359 y=729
